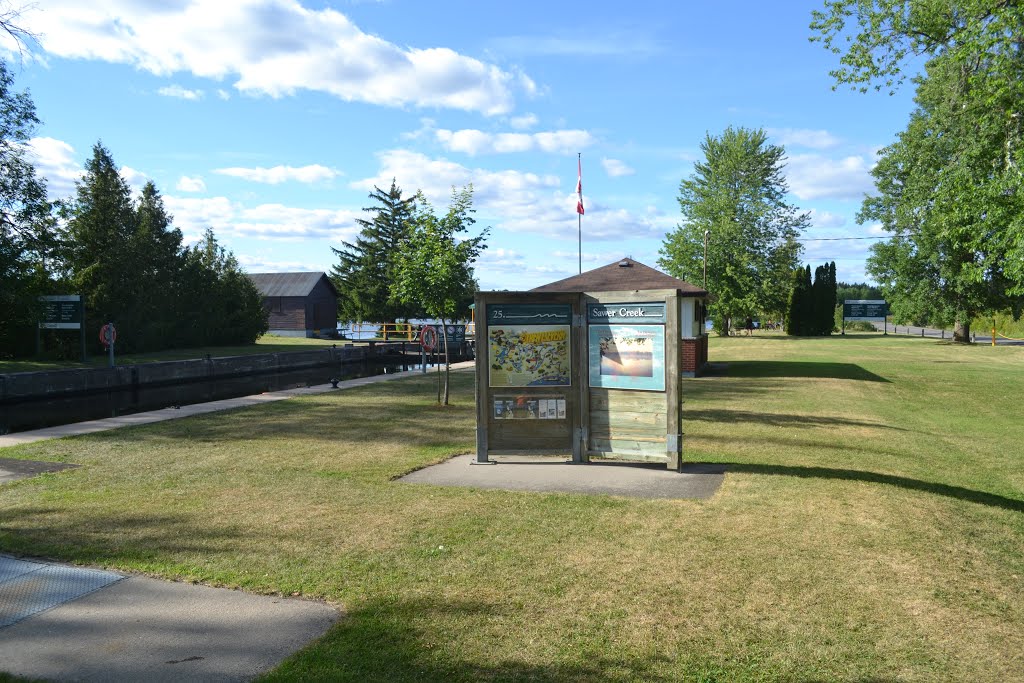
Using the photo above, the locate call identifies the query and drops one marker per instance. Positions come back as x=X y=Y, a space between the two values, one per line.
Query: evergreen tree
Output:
x=157 y=247
x=100 y=247
x=797 y=296
x=219 y=304
x=366 y=268
x=738 y=194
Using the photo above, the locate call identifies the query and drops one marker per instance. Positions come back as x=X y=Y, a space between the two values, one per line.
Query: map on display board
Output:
x=528 y=355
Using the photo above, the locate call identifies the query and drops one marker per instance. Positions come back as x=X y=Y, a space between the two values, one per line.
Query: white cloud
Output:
x=276 y=175
x=523 y=122
x=267 y=264
x=517 y=201
x=223 y=94
x=133 y=177
x=803 y=137
x=187 y=184
x=180 y=93
x=812 y=176
x=472 y=142
x=826 y=219
x=274 y=48
x=265 y=221
x=615 y=168
x=55 y=161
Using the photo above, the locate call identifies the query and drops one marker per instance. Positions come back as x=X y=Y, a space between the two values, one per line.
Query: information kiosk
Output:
x=586 y=373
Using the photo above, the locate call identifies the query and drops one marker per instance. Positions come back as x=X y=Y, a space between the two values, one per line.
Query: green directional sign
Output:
x=61 y=312
x=865 y=309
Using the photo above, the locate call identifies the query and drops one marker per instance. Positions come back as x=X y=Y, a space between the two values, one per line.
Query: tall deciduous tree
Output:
x=366 y=267
x=435 y=265
x=26 y=222
x=950 y=189
x=738 y=194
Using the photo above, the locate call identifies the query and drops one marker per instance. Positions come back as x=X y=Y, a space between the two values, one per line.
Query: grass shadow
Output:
x=766 y=368
x=781 y=420
x=947 y=490
x=383 y=641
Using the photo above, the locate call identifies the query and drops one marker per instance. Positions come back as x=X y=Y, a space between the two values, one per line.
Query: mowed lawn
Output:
x=871 y=526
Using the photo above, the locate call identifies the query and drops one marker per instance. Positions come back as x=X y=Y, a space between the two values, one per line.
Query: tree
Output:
x=435 y=265
x=738 y=194
x=218 y=304
x=950 y=189
x=366 y=267
x=157 y=249
x=27 y=238
x=796 y=322
x=99 y=245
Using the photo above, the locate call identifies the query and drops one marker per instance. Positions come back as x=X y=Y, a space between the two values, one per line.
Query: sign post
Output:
x=62 y=312
x=866 y=309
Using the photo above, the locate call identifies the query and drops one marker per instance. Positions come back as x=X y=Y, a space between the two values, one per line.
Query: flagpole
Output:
x=579 y=216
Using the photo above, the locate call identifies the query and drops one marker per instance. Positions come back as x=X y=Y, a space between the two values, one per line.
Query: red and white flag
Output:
x=579 y=186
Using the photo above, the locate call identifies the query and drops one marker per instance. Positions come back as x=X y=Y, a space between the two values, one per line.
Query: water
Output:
x=35 y=414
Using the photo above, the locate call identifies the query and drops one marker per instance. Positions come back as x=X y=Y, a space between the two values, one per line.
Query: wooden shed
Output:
x=299 y=304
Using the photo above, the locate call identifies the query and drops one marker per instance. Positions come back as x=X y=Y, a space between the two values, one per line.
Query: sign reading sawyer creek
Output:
x=529 y=314
x=626 y=313
x=865 y=309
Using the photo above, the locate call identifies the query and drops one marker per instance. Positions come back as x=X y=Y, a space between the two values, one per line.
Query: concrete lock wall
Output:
x=56 y=383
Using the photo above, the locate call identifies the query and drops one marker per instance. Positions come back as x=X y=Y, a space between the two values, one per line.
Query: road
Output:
x=914 y=331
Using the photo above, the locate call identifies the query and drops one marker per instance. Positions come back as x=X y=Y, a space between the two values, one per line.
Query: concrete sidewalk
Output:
x=556 y=474
x=74 y=624
x=105 y=424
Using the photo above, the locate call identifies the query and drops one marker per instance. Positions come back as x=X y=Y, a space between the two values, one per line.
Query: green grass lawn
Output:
x=871 y=526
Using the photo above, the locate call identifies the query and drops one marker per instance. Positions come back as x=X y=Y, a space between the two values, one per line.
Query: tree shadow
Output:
x=781 y=420
x=819 y=370
x=383 y=642
x=947 y=490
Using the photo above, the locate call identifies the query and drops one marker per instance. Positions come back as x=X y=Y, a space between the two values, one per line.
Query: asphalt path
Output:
x=932 y=333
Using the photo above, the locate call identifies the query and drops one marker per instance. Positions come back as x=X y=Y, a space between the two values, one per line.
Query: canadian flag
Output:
x=579 y=186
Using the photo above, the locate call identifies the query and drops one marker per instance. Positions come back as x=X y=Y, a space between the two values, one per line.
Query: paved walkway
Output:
x=555 y=474
x=66 y=623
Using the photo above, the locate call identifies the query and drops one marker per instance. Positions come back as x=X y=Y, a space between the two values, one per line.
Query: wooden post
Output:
x=673 y=383
x=482 y=399
x=580 y=424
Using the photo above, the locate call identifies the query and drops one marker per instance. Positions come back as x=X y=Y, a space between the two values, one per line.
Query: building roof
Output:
x=624 y=274
x=289 y=284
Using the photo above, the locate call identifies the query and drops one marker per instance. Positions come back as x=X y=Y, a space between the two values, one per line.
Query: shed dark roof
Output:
x=624 y=274
x=289 y=284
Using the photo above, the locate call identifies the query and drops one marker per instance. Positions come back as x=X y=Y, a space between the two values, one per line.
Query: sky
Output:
x=270 y=121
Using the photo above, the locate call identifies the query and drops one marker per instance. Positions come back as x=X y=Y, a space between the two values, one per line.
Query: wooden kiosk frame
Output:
x=582 y=374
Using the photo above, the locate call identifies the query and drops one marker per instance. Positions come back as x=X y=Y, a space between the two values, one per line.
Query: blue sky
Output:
x=270 y=121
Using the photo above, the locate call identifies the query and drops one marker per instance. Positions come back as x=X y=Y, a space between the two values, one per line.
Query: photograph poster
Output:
x=528 y=355
x=627 y=357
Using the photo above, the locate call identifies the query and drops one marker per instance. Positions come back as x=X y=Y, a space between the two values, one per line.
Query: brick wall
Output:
x=694 y=356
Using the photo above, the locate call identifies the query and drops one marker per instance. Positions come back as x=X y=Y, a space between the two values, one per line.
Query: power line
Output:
x=836 y=239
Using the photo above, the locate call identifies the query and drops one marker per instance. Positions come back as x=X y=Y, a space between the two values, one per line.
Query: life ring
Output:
x=428 y=337
x=108 y=334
